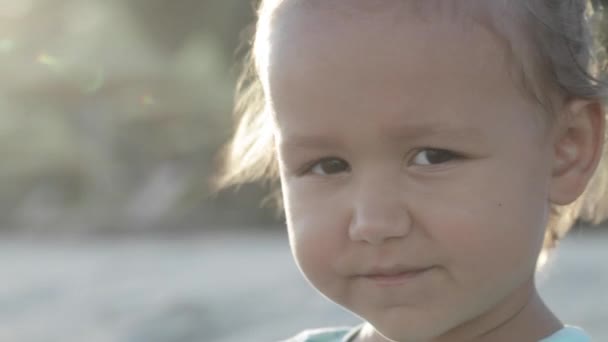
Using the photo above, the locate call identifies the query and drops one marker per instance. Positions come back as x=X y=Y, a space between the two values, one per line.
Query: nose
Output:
x=379 y=214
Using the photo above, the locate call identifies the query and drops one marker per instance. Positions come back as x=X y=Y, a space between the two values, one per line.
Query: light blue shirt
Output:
x=567 y=334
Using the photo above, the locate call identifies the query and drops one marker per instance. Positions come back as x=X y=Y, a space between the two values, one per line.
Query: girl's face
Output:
x=415 y=172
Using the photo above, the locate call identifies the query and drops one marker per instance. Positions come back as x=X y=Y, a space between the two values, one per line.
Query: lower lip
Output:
x=397 y=279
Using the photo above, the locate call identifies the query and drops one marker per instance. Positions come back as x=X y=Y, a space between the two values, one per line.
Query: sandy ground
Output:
x=218 y=287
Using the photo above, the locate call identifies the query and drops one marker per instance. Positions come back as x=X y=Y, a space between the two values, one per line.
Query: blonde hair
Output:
x=560 y=53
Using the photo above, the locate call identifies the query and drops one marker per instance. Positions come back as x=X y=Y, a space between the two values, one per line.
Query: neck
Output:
x=521 y=317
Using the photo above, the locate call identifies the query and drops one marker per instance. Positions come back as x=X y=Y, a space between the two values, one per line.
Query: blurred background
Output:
x=111 y=116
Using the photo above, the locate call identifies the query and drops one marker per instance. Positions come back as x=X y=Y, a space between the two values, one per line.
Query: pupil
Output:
x=333 y=166
x=438 y=156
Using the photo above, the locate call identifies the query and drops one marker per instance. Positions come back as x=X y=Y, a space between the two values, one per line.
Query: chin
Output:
x=403 y=329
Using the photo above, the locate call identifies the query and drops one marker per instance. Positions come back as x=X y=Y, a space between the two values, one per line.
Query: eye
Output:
x=431 y=156
x=329 y=166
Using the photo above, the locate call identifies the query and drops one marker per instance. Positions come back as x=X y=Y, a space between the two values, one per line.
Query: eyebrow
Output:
x=414 y=132
x=393 y=133
x=315 y=141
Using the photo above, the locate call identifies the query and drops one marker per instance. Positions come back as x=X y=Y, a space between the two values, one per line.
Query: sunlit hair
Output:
x=553 y=55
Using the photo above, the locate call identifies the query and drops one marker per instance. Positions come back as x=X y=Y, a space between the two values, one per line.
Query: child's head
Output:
x=454 y=138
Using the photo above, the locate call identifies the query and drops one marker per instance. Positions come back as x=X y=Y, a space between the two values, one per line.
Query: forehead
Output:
x=340 y=45
x=506 y=22
x=501 y=17
x=393 y=26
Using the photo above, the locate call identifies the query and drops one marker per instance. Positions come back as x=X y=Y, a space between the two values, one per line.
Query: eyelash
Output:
x=452 y=155
x=310 y=167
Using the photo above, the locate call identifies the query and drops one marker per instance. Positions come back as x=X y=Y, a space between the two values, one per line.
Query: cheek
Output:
x=494 y=228
x=317 y=233
x=488 y=243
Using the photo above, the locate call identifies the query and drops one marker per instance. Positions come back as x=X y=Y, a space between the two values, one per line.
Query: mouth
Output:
x=394 y=276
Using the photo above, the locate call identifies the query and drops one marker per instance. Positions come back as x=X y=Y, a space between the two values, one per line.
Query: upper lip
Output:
x=392 y=271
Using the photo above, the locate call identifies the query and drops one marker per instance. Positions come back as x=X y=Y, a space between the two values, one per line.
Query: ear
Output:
x=577 y=149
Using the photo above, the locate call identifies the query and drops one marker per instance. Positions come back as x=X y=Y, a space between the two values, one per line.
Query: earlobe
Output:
x=577 y=149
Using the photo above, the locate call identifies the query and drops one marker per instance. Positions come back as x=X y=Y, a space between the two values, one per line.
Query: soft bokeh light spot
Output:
x=48 y=60
x=147 y=100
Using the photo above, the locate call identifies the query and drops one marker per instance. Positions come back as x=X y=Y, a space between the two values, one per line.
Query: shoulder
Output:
x=337 y=334
x=568 y=334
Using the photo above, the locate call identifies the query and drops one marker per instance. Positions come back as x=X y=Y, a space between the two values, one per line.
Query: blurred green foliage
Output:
x=111 y=114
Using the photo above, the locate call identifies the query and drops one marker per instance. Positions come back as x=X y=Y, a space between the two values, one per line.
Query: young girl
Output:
x=427 y=152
